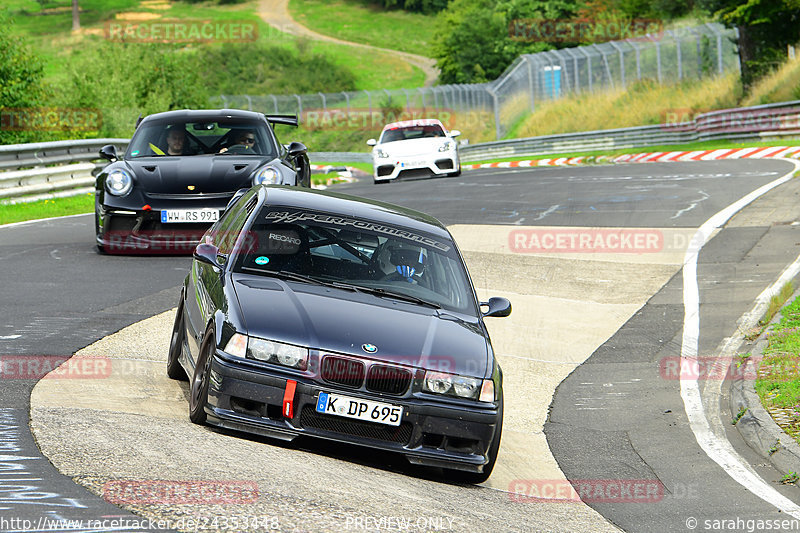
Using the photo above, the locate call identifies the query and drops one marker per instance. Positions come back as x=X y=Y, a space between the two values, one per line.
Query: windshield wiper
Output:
x=389 y=294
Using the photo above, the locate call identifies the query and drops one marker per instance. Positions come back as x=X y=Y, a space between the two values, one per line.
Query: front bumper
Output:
x=129 y=231
x=432 y=164
x=431 y=433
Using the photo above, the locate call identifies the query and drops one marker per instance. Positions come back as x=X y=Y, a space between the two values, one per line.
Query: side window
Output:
x=230 y=225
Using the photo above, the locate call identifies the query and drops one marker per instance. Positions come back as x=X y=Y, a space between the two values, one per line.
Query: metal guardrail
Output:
x=764 y=122
x=57 y=168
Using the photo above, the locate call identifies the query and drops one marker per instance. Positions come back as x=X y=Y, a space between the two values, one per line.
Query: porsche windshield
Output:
x=215 y=137
x=357 y=254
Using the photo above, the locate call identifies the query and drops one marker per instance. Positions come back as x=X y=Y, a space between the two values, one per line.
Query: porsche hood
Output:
x=223 y=173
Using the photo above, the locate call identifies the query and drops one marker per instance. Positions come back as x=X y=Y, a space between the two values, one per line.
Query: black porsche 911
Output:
x=181 y=169
x=310 y=313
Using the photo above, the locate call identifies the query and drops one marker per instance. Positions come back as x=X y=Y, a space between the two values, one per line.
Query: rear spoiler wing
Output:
x=289 y=120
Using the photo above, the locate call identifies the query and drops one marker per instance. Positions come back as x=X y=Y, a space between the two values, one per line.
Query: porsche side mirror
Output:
x=455 y=133
x=372 y=142
x=109 y=152
x=209 y=254
x=296 y=149
x=499 y=307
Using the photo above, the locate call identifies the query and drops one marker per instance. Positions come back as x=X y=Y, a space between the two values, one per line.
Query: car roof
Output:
x=353 y=207
x=412 y=123
x=191 y=115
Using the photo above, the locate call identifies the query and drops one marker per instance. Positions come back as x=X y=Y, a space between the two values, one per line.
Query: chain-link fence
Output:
x=667 y=57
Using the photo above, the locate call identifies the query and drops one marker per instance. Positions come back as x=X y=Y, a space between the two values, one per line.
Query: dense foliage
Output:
x=21 y=85
x=474 y=41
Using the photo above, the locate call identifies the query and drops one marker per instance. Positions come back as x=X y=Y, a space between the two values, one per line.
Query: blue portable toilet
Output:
x=551 y=81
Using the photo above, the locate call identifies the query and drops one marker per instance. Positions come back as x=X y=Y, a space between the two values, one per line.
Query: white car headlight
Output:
x=266 y=176
x=446 y=146
x=381 y=154
x=119 y=182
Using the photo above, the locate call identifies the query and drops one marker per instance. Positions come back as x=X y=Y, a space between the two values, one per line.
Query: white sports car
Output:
x=414 y=148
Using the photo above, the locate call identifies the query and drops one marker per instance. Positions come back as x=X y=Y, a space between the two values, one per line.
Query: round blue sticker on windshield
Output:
x=262 y=260
x=135 y=152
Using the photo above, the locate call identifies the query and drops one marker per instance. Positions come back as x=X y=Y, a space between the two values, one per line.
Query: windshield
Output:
x=358 y=254
x=215 y=136
x=412 y=132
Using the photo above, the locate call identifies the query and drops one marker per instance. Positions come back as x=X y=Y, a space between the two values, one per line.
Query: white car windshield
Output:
x=411 y=132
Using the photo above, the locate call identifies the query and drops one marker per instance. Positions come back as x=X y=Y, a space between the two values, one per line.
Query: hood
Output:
x=409 y=147
x=208 y=174
x=341 y=321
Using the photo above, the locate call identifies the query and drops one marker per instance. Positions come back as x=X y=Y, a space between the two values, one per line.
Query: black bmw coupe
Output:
x=310 y=313
x=181 y=169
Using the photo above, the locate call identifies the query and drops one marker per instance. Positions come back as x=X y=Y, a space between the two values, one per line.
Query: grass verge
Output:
x=57 y=207
x=778 y=380
x=360 y=21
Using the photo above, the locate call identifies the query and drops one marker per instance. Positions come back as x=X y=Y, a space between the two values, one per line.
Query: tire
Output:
x=99 y=248
x=474 y=478
x=174 y=368
x=456 y=173
x=198 y=389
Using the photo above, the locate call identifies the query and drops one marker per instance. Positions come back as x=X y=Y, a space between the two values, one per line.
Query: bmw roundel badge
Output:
x=369 y=348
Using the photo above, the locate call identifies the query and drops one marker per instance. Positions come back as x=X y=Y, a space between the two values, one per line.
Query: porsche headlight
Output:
x=266 y=176
x=446 y=146
x=119 y=182
x=381 y=154
x=459 y=386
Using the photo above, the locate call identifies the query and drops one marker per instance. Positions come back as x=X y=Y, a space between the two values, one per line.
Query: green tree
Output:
x=765 y=27
x=474 y=41
x=21 y=85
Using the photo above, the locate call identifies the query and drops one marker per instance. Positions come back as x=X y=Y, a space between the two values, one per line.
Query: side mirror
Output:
x=209 y=254
x=372 y=142
x=455 y=133
x=109 y=152
x=499 y=307
x=296 y=149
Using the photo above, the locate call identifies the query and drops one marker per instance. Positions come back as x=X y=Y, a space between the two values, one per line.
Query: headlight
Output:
x=266 y=176
x=380 y=154
x=277 y=353
x=459 y=386
x=119 y=182
x=446 y=146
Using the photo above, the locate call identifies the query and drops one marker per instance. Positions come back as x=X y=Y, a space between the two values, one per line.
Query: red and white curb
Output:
x=561 y=161
x=762 y=152
x=653 y=157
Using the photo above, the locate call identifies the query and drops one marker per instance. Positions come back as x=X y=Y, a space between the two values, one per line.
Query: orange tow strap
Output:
x=288 y=398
